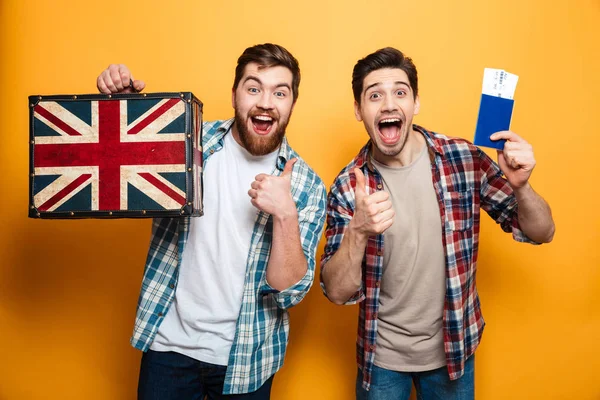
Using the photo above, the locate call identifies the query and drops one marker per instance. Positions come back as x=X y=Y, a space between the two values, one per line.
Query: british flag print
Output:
x=100 y=156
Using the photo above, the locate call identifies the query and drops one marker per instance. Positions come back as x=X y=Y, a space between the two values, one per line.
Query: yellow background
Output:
x=68 y=289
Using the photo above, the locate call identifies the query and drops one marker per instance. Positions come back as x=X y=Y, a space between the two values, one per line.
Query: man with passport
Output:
x=402 y=236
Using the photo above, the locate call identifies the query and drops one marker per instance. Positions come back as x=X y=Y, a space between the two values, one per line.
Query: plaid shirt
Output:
x=263 y=323
x=465 y=179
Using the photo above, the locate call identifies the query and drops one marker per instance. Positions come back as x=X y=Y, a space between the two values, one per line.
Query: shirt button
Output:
x=379 y=186
x=375 y=316
x=379 y=253
x=212 y=151
x=371 y=347
x=160 y=314
x=377 y=284
x=172 y=286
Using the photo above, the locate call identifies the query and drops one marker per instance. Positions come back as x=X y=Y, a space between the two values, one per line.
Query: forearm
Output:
x=287 y=263
x=342 y=274
x=535 y=216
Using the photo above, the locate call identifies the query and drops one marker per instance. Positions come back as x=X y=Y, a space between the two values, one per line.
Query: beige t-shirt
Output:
x=411 y=300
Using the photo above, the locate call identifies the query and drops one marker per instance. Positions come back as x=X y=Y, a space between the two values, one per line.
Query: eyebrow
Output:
x=379 y=83
x=255 y=78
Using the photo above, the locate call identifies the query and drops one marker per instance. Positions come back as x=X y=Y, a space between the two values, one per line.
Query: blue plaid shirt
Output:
x=262 y=327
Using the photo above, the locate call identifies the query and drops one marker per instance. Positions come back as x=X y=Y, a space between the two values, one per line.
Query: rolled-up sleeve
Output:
x=311 y=218
x=498 y=200
x=340 y=210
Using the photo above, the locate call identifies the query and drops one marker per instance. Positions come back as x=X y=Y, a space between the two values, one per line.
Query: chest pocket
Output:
x=459 y=210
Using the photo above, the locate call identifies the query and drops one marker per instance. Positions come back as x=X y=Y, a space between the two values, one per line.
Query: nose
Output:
x=389 y=105
x=265 y=102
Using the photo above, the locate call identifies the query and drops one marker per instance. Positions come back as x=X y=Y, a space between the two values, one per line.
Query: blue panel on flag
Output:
x=176 y=178
x=83 y=109
x=177 y=126
x=41 y=129
x=138 y=108
x=139 y=201
x=42 y=181
x=82 y=201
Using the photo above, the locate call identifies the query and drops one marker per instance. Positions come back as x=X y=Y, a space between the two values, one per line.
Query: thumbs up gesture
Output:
x=373 y=213
x=272 y=194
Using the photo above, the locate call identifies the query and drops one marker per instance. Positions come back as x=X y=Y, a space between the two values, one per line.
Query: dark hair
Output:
x=383 y=58
x=268 y=55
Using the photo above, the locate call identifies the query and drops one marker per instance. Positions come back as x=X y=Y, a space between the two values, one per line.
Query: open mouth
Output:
x=262 y=124
x=389 y=129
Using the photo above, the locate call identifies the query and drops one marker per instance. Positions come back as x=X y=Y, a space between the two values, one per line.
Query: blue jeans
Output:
x=430 y=385
x=173 y=376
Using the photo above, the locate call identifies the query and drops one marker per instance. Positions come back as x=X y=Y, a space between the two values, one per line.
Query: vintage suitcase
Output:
x=115 y=156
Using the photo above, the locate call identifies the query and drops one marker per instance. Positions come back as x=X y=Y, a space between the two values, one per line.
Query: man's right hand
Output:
x=117 y=79
x=373 y=213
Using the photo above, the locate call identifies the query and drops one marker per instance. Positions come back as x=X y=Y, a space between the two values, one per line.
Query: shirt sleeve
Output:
x=340 y=210
x=498 y=199
x=310 y=221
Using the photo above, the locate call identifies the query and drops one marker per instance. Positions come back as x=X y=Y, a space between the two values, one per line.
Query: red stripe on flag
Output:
x=152 y=117
x=168 y=191
x=52 y=118
x=64 y=192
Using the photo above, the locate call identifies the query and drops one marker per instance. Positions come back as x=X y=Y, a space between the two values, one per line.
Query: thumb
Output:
x=287 y=170
x=360 y=188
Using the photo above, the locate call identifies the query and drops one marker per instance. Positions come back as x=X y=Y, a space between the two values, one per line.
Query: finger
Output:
x=139 y=85
x=524 y=161
x=125 y=75
x=255 y=185
x=523 y=155
x=117 y=74
x=386 y=225
x=107 y=79
x=261 y=177
x=507 y=135
x=517 y=146
x=360 y=187
x=512 y=160
x=507 y=160
x=384 y=216
x=289 y=166
x=380 y=208
x=102 y=88
x=253 y=193
x=379 y=197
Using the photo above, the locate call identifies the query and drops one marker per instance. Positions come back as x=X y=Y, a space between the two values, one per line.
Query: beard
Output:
x=260 y=145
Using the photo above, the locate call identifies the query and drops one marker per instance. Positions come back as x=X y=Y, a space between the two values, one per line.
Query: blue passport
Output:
x=494 y=115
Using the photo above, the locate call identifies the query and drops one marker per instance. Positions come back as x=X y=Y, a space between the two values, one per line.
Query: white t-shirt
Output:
x=202 y=319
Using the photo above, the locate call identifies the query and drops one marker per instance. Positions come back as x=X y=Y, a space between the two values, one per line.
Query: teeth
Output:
x=263 y=118
x=389 y=120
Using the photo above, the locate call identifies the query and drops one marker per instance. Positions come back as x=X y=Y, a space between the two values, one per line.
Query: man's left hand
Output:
x=516 y=159
x=272 y=194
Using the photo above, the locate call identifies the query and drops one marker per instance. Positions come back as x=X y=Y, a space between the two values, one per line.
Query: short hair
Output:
x=268 y=55
x=387 y=57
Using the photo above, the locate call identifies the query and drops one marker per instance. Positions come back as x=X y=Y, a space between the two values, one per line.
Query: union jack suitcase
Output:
x=115 y=156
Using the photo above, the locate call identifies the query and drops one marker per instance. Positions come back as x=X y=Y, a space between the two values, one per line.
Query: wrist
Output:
x=523 y=190
x=356 y=236
x=287 y=212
